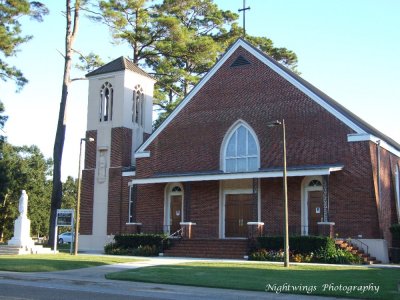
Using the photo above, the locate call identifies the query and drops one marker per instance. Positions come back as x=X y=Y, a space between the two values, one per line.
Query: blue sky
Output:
x=349 y=49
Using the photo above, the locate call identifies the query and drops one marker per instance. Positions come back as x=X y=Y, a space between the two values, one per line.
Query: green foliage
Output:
x=89 y=62
x=11 y=34
x=298 y=244
x=395 y=230
x=303 y=249
x=179 y=41
x=24 y=168
x=136 y=244
x=146 y=250
x=271 y=255
x=136 y=240
x=3 y=120
x=70 y=189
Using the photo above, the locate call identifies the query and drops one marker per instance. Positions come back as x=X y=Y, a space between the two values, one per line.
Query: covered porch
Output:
x=217 y=205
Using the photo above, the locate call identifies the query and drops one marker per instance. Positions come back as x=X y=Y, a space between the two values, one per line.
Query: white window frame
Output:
x=138 y=106
x=106 y=104
x=232 y=131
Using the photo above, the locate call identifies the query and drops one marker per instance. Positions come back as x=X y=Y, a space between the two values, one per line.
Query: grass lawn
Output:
x=56 y=262
x=307 y=279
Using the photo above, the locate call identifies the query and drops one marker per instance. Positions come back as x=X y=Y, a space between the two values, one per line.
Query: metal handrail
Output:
x=177 y=233
x=363 y=244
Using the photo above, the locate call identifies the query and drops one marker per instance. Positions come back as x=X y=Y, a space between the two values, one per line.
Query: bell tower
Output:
x=119 y=118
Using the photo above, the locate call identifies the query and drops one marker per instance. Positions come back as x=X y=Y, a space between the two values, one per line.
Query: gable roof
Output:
x=120 y=64
x=364 y=131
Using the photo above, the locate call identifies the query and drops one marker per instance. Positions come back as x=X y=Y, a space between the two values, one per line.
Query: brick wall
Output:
x=385 y=201
x=254 y=93
x=150 y=207
x=272 y=205
x=257 y=95
x=86 y=210
x=204 y=204
x=121 y=147
x=90 y=150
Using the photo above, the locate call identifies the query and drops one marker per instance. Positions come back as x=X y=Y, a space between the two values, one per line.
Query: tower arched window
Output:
x=106 y=102
x=138 y=106
x=241 y=151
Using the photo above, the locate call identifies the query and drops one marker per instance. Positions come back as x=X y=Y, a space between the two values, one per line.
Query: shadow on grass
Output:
x=55 y=262
x=355 y=282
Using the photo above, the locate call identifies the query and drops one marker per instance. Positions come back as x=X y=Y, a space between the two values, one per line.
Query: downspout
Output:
x=378 y=150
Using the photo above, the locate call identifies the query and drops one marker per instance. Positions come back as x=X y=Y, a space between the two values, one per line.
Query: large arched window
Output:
x=241 y=150
x=138 y=106
x=106 y=102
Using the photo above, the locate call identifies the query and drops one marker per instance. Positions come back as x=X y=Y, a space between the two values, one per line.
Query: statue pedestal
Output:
x=22 y=229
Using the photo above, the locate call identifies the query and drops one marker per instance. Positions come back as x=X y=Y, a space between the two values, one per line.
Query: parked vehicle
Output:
x=65 y=237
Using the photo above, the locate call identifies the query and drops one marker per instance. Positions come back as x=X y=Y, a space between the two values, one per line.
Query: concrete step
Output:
x=15 y=250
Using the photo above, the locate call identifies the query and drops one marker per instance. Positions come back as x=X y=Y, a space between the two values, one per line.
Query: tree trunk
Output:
x=56 y=196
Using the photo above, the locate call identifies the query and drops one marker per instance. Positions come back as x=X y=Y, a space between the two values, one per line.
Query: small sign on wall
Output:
x=317 y=210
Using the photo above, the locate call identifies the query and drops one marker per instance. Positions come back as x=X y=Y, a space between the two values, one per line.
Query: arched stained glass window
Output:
x=241 y=151
x=106 y=102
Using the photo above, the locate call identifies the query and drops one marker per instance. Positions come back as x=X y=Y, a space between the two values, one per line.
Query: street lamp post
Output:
x=285 y=196
x=78 y=200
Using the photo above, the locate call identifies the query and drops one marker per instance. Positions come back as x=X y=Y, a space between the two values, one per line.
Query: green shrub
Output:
x=113 y=249
x=395 y=230
x=136 y=244
x=303 y=249
x=265 y=255
x=338 y=256
x=133 y=241
x=298 y=244
x=146 y=251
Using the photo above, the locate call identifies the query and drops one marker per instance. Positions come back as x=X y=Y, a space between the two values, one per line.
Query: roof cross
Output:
x=244 y=16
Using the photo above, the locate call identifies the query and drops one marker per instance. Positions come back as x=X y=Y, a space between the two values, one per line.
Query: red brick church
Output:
x=216 y=166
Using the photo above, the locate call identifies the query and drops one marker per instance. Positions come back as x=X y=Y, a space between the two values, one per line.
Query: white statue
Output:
x=22 y=225
x=23 y=204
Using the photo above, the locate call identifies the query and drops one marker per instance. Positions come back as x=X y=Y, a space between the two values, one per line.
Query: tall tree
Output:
x=24 y=168
x=200 y=33
x=71 y=30
x=70 y=189
x=179 y=41
x=3 y=119
x=11 y=34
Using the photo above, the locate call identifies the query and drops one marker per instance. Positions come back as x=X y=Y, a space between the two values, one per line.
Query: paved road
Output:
x=90 y=283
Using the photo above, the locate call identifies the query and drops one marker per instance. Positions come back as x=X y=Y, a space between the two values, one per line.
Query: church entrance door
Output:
x=315 y=209
x=175 y=213
x=238 y=211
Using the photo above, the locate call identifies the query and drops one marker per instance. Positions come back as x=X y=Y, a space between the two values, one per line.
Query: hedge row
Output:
x=297 y=244
x=132 y=241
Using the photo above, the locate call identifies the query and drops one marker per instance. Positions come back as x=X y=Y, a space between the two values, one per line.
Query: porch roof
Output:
x=311 y=170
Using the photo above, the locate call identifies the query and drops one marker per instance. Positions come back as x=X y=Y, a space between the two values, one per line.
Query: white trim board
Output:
x=266 y=61
x=371 y=138
x=229 y=176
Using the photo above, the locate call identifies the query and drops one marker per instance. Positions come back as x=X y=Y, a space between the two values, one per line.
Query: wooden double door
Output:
x=238 y=211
